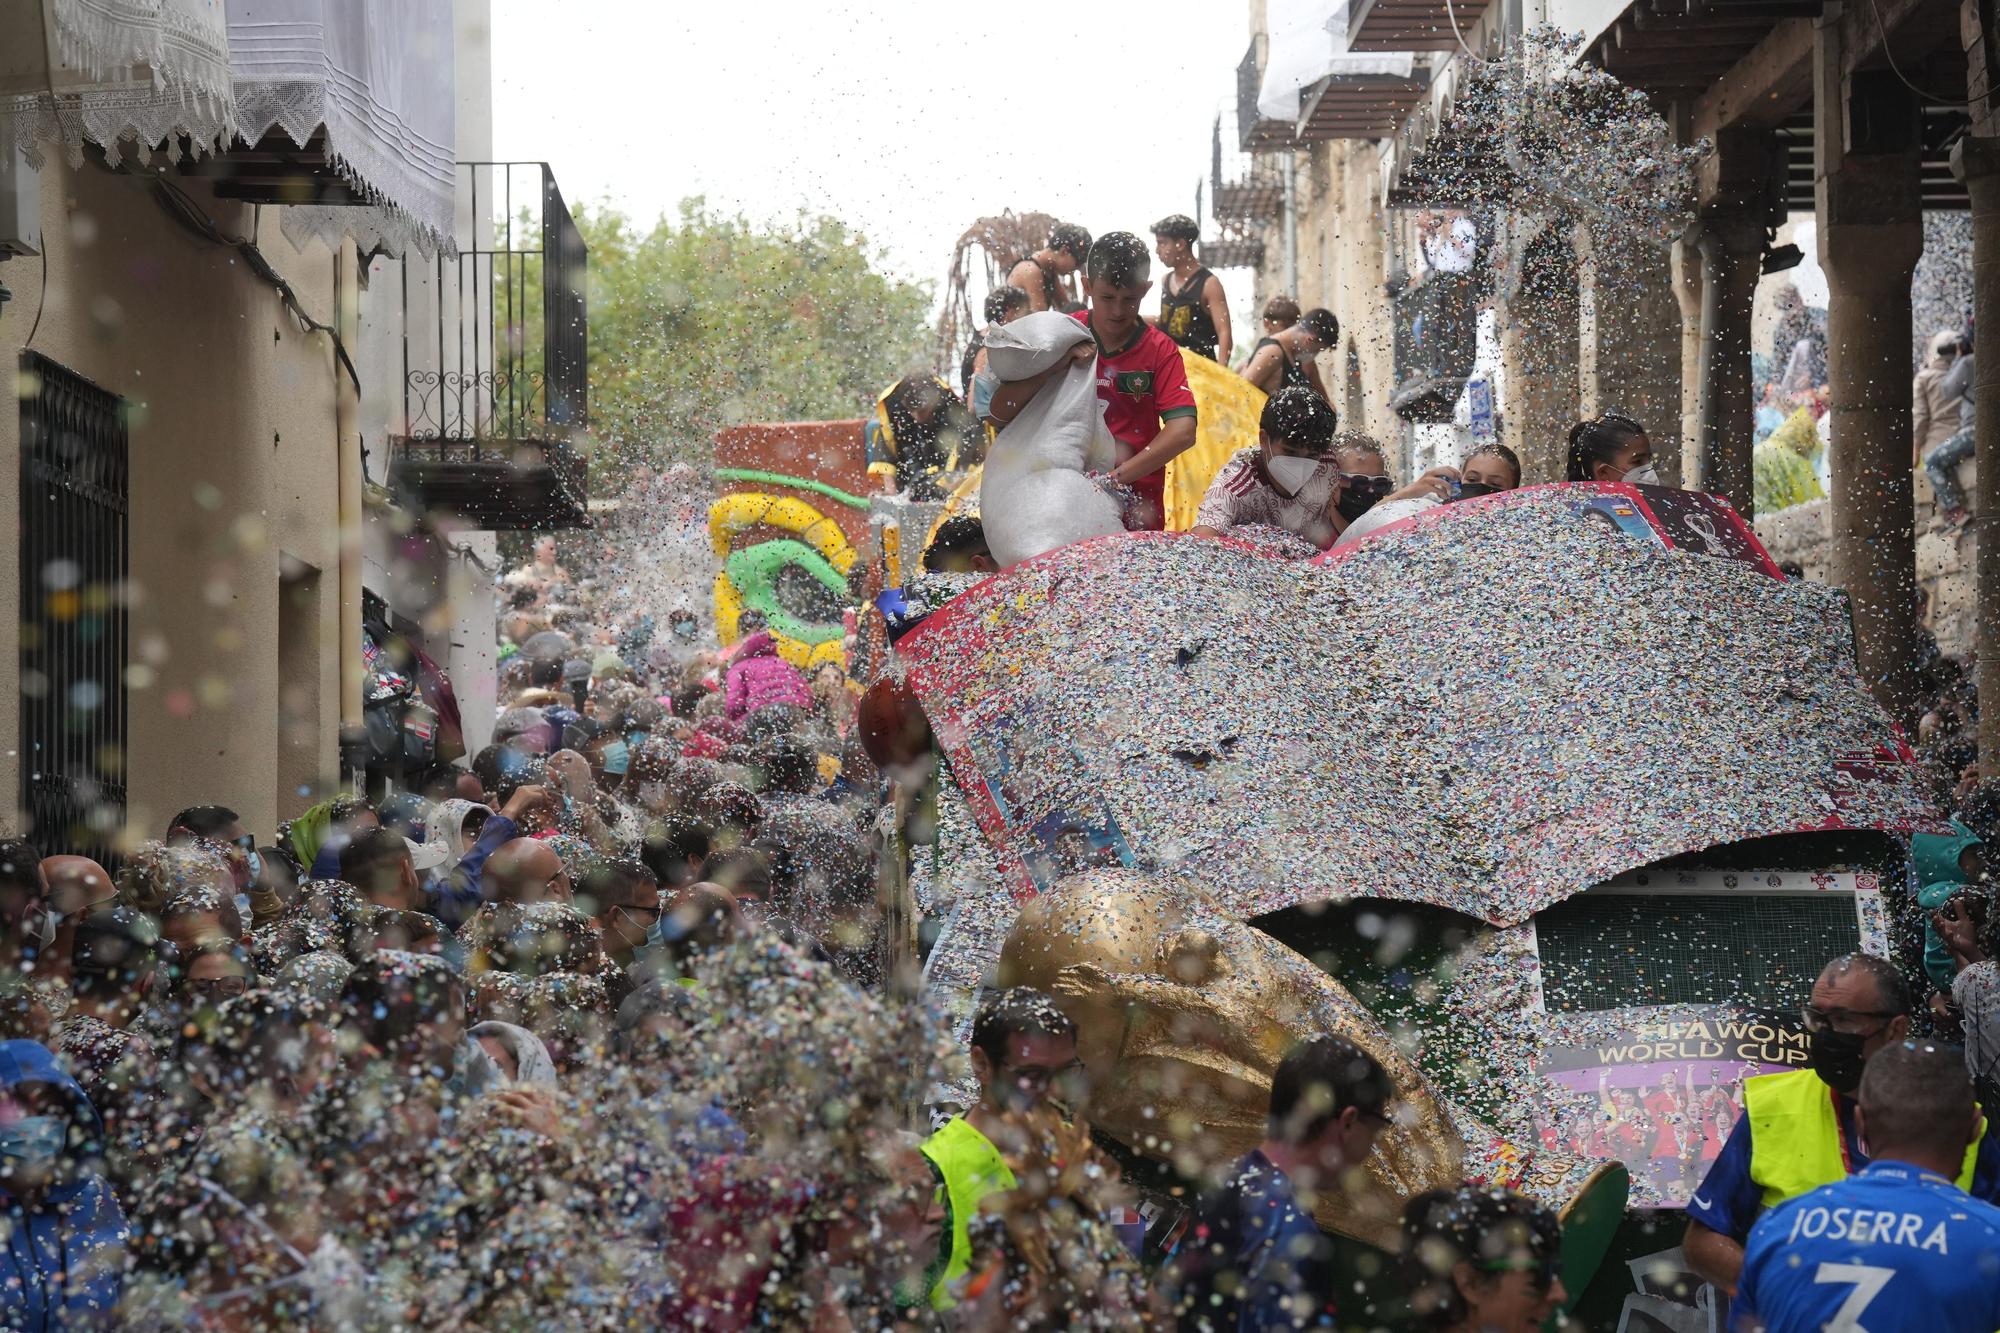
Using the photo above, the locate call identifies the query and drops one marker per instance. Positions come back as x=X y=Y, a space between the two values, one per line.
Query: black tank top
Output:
x=1184 y=315
x=1293 y=373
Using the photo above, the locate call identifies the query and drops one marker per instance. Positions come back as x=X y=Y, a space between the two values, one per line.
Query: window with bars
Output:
x=75 y=560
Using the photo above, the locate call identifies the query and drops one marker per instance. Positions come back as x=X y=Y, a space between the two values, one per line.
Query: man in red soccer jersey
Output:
x=1148 y=405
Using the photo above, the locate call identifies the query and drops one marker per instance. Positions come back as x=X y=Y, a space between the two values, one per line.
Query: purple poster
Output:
x=1658 y=1093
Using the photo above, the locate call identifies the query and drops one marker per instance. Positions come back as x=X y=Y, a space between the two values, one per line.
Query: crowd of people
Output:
x=607 y=1026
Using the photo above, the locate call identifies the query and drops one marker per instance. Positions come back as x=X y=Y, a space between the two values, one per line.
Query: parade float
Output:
x=788 y=522
x=1556 y=800
x=796 y=509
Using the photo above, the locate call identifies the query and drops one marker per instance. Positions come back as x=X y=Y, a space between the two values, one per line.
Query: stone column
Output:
x=1686 y=261
x=1628 y=341
x=1738 y=193
x=1975 y=160
x=1732 y=250
x=1538 y=350
x=1871 y=234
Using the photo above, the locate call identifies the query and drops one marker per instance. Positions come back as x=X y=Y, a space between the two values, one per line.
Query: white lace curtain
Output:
x=376 y=76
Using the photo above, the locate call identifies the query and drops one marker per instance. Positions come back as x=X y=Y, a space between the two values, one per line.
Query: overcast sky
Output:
x=909 y=118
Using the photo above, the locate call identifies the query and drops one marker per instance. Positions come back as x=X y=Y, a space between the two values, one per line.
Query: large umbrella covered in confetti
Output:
x=1488 y=710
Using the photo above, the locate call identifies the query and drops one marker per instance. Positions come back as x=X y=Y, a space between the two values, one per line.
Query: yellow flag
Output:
x=1228 y=406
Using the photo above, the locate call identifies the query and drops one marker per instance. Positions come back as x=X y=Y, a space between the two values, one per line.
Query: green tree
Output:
x=709 y=321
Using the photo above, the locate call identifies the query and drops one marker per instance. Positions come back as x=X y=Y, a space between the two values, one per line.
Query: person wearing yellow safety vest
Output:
x=1798 y=1130
x=1023 y=1046
x=920 y=431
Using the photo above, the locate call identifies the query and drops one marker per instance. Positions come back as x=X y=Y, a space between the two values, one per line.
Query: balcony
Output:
x=1254 y=130
x=1412 y=25
x=1241 y=188
x=495 y=362
x=1359 y=106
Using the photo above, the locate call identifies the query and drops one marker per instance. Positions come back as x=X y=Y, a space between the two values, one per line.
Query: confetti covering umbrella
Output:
x=1488 y=710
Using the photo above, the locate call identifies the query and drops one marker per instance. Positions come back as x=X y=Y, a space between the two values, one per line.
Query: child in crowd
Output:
x=1290 y=480
x=1280 y=313
x=1368 y=499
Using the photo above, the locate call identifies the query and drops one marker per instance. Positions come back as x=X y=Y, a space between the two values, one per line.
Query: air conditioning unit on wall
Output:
x=20 y=199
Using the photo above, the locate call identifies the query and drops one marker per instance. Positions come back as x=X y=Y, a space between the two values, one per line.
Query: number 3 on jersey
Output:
x=1867 y=1281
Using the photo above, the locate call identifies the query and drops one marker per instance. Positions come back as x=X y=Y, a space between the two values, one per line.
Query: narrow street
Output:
x=1276 y=665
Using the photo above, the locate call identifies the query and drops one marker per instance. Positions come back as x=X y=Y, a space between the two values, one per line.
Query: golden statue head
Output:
x=1182 y=1016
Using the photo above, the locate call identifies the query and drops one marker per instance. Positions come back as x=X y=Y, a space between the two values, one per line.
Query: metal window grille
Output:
x=75 y=560
x=1611 y=951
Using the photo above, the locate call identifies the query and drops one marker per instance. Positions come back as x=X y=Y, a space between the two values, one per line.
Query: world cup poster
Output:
x=1658 y=1091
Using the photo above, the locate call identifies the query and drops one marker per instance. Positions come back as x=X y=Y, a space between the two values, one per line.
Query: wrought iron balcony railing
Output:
x=1253 y=128
x=1240 y=185
x=496 y=360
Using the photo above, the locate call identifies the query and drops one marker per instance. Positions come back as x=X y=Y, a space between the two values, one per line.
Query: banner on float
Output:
x=1659 y=1091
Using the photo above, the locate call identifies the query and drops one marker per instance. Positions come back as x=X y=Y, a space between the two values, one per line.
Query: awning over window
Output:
x=104 y=71
x=368 y=83
x=1308 y=44
x=377 y=75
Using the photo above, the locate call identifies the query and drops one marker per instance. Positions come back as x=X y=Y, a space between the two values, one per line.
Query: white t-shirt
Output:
x=1240 y=495
x=1453 y=247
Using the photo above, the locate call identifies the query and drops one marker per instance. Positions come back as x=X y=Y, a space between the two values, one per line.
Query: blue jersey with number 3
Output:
x=1890 y=1249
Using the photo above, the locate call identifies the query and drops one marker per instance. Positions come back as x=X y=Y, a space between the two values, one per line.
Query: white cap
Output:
x=427 y=856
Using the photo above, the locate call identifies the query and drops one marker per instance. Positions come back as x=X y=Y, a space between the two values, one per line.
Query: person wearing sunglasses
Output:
x=1799 y=1129
x=1479 y=1260
x=1254 y=1257
x=1369 y=500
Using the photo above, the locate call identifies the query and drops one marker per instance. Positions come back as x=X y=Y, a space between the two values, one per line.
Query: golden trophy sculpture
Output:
x=1182 y=1016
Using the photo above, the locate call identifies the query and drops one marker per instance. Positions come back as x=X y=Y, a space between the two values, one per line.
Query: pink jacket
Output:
x=759 y=678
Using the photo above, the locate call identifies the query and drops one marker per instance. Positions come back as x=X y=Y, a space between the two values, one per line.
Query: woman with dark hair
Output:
x=1612 y=447
x=1481 y=1261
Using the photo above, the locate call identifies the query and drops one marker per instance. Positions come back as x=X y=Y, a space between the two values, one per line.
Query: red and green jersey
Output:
x=1142 y=385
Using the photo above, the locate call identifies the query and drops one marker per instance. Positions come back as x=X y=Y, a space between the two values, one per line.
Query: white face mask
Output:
x=1290 y=474
x=1643 y=475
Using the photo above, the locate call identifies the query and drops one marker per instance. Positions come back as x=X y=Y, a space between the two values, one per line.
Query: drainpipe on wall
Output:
x=347 y=445
x=1292 y=227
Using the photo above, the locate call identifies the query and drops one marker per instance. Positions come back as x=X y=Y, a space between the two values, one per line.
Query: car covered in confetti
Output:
x=1568 y=786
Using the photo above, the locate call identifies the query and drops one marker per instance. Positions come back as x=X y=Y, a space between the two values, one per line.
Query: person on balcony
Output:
x=1286 y=360
x=1044 y=274
x=1193 y=310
